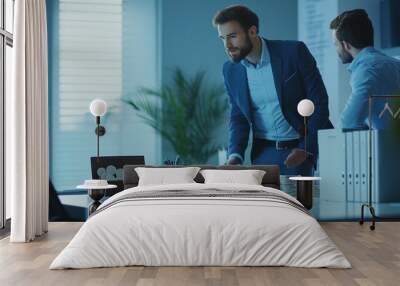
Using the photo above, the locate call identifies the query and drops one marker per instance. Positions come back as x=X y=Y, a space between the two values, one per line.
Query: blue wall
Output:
x=52 y=8
x=191 y=42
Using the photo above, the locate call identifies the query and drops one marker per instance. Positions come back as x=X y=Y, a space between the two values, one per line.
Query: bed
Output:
x=197 y=224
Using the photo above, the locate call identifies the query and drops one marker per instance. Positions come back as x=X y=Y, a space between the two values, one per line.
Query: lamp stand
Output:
x=100 y=131
x=370 y=173
x=369 y=204
x=305 y=136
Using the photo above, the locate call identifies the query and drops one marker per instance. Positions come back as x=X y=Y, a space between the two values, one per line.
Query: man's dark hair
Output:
x=354 y=27
x=241 y=14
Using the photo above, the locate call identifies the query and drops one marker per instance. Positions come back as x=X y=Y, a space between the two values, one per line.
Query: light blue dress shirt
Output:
x=371 y=73
x=268 y=119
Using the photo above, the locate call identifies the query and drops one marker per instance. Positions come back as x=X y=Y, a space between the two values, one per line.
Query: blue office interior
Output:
x=139 y=43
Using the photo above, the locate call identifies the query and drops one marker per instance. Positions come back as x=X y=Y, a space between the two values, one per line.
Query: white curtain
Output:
x=28 y=151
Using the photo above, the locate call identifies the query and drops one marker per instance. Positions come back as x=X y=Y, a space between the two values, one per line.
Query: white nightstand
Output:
x=305 y=189
x=96 y=193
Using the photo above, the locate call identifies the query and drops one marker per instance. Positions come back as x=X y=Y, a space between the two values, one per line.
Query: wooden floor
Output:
x=375 y=257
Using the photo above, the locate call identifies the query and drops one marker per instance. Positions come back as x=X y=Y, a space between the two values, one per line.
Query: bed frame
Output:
x=270 y=179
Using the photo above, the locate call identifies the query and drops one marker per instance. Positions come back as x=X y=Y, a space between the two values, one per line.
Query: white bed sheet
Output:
x=202 y=232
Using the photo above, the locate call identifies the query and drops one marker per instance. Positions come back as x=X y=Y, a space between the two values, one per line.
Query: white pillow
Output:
x=163 y=176
x=248 y=177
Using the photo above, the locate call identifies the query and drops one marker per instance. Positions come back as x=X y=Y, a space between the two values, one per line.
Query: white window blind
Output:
x=90 y=56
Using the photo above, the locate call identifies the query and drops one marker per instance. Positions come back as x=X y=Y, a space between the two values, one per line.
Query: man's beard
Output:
x=243 y=51
x=345 y=56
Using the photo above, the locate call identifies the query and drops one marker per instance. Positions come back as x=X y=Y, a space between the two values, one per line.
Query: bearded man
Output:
x=265 y=80
x=372 y=73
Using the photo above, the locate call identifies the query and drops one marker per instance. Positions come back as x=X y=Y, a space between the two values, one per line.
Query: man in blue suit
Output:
x=265 y=80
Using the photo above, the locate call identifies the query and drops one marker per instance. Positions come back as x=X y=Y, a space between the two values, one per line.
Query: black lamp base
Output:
x=305 y=193
x=96 y=195
x=100 y=130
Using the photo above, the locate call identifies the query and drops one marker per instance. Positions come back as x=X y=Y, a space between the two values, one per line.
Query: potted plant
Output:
x=188 y=114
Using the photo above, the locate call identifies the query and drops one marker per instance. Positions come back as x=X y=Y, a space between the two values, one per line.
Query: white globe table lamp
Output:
x=98 y=108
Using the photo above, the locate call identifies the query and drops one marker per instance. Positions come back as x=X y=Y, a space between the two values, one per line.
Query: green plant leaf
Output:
x=187 y=114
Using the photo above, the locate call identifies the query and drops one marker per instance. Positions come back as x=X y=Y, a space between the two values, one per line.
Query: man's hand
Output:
x=295 y=158
x=234 y=161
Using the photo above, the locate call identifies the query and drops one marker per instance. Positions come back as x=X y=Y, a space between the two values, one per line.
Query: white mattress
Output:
x=200 y=231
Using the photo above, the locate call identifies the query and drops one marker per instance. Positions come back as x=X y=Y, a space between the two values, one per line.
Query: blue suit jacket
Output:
x=296 y=77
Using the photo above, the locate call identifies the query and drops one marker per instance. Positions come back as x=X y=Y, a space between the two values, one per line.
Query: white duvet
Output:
x=200 y=231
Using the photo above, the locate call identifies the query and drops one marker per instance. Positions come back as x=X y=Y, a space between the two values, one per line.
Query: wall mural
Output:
x=175 y=98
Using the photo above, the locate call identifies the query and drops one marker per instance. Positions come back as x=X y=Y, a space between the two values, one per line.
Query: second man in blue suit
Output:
x=265 y=80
